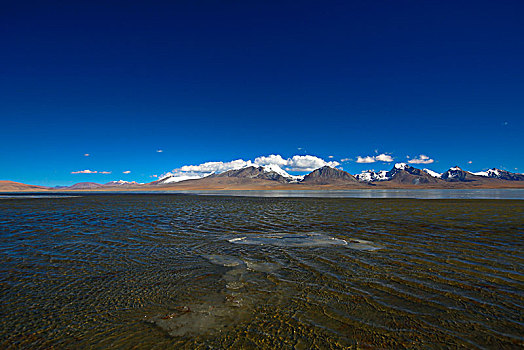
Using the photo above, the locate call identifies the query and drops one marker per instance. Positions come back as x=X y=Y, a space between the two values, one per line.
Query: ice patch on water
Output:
x=266 y=267
x=312 y=239
x=360 y=244
x=235 y=276
x=224 y=260
x=250 y=265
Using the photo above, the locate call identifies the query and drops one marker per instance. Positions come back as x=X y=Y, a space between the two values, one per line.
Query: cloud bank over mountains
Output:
x=273 y=162
x=297 y=163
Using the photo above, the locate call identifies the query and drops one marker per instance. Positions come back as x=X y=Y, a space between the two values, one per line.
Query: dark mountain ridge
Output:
x=456 y=174
x=253 y=172
x=406 y=174
x=328 y=175
x=84 y=186
x=502 y=174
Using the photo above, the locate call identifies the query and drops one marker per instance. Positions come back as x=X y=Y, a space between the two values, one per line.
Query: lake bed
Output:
x=188 y=271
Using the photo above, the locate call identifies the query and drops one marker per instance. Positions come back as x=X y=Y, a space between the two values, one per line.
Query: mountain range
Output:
x=402 y=175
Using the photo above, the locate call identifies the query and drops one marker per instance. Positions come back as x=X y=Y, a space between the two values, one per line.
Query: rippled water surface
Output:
x=187 y=271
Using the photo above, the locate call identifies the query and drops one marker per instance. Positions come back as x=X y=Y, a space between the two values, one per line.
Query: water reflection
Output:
x=388 y=193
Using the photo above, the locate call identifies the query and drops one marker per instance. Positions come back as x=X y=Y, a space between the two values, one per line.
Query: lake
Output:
x=271 y=271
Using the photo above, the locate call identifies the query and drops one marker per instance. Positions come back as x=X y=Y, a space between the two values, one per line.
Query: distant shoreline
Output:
x=516 y=194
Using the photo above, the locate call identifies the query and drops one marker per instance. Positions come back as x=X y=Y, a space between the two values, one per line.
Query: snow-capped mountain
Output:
x=265 y=172
x=402 y=166
x=500 y=174
x=433 y=173
x=121 y=183
x=400 y=174
x=488 y=173
x=399 y=167
x=85 y=186
x=370 y=176
x=275 y=168
x=268 y=172
x=174 y=177
x=456 y=174
x=406 y=174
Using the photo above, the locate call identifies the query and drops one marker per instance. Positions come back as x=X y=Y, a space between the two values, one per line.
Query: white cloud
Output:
x=271 y=159
x=215 y=167
x=87 y=171
x=126 y=172
x=384 y=158
x=84 y=172
x=296 y=163
x=421 y=159
x=188 y=172
x=307 y=163
x=86 y=155
x=367 y=159
x=345 y=159
x=159 y=151
x=330 y=157
x=372 y=159
x=470 y=162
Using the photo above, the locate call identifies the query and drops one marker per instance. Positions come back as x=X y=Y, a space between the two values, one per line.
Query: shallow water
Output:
x=157 y=271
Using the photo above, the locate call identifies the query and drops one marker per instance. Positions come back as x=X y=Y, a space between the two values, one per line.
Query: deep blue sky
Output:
x=222 y=80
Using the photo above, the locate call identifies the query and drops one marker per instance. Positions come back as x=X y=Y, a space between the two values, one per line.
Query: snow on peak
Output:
x=366 y=175
x=401 y=166
x=171 y=178
x=453 y=172
x=383 y=174
x=493 y=172
x=277 y=169
x=433 y=173
x=370 y=175
x=122 y=182
x=166 y=176
x=481 y=173
x=489 y=173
